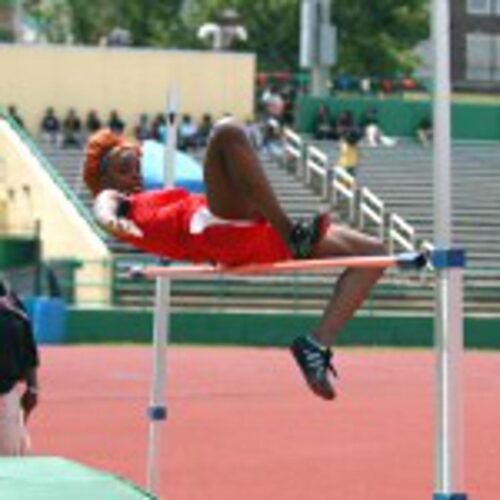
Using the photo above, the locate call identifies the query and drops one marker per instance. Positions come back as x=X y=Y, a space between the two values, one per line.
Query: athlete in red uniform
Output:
x=176 y=224
x=239 y=221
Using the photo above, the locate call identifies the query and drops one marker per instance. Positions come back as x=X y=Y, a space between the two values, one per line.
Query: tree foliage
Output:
x=375 y=37
x=150 y=22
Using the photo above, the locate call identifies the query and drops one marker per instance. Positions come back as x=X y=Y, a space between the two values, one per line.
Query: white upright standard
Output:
x=448 y=327
x=161 y=323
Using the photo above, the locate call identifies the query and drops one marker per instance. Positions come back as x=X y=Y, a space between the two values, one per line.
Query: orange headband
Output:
x=98 y=145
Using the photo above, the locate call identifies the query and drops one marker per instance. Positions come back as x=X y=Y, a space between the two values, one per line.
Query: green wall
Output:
x=400 y=118
x=114 y=325
x=18 y=251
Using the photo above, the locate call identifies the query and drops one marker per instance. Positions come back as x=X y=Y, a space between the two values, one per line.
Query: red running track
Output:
x=243 y=426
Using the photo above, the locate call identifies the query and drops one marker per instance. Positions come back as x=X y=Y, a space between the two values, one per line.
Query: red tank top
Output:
x=164 y=217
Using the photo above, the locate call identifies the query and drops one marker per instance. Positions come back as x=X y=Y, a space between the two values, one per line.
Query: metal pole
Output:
x=158 y=410
x=38 y=281
x=161 y=323
x=449 y=301
x=320 y=71
x=18 y=21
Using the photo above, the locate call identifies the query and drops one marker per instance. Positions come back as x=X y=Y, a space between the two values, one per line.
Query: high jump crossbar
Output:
x=411 y=260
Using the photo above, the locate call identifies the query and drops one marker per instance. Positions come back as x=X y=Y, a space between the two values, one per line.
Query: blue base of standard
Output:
x=449 y=496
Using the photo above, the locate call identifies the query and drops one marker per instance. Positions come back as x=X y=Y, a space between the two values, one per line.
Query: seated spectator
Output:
x=12 y=110
x=273 y=103
x=51 y=127
x=272 y=139
x=204 y=129
x=424 y=131
x=71 y=130
x=92 y=122
x=158 y=128
x=254 y=134
x=324 y=126
x=365 y=86
x=409 y=84
x=142 y=130
x=345 y=123
x=289 y=97
x=387 y=86
x=115 y=122
x=187 y=133
x=372 y=130
x=344 y=83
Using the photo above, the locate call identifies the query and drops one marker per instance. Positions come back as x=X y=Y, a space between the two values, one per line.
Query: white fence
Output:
x=317 y=164
x=401 y=234
x=343 y=187
x=371 y=210
x=294 y=151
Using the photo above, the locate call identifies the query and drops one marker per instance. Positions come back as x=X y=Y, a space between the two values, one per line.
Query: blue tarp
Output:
x=188 y=172
x=49 y=316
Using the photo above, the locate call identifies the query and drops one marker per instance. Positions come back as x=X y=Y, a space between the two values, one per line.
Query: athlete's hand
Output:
x=107 y=213
x=120 y=226
x=29 y=400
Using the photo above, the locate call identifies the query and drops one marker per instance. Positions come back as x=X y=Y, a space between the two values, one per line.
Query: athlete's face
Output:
x=123 y=172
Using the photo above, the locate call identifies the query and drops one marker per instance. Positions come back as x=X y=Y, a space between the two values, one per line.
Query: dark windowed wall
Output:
x=475 y=44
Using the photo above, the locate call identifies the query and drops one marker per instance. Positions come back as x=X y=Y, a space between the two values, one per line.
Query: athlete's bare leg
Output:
x=237 y=188
x=236 y=185
x=311 y=352
x=353 y=285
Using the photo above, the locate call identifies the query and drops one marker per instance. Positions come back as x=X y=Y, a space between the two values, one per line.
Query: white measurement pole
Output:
x=161 y=322
x=448 y=327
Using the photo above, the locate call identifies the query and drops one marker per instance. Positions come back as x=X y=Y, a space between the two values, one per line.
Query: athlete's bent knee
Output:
x=228 y=130
x=378 y=247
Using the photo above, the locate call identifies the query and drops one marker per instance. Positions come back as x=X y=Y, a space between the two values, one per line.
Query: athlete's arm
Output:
x=110 y=210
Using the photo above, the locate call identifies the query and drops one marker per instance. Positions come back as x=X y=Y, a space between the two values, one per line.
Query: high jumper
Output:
x=238 y=222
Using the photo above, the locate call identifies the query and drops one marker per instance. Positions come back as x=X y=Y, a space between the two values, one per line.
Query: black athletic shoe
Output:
x=315 y=363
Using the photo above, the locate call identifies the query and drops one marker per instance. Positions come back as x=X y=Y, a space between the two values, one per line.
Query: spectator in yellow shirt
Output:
x=349 y=151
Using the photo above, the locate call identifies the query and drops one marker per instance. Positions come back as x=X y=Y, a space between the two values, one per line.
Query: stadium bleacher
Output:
x=403 y=177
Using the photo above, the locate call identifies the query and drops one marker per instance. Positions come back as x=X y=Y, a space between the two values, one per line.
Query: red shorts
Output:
x=233 y=245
